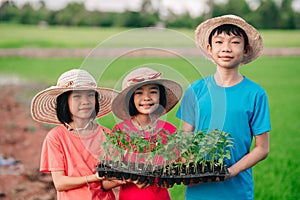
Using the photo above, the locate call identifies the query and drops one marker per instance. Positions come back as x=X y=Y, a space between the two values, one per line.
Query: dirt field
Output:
x=21 y=139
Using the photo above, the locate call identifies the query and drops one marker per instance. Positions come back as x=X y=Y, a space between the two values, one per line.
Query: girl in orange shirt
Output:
x=71 y=150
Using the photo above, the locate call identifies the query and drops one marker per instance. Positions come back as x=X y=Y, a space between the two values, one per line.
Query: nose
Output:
x=226 y=47
x=146 y=96
x=85 y=100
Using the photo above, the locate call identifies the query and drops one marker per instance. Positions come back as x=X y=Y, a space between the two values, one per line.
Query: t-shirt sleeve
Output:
x=170 y=127
x=260 y=121
x=187 y=109
x=52 y=155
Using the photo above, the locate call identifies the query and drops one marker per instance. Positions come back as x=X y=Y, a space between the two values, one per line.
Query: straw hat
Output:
x=43 y=105
x=138 y=78
x=203 y=31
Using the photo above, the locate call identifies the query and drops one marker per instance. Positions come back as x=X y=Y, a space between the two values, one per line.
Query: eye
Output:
x=138 y=92
x=92 y=94
x=76 y=96
x=154 y=91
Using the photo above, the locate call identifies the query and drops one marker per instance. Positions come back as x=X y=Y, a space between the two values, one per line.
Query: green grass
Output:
x=19 y=36
x=45 y=71
x=277 y=177
x=281 y=38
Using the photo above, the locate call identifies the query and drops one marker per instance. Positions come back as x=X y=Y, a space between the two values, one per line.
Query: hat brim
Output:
x=173 y=95
x=203 y=31
x=43 y=105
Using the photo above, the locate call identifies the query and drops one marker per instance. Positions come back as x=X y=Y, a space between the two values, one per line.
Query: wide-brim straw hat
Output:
x=137 y=78
x=203 y=31
x=43 y=105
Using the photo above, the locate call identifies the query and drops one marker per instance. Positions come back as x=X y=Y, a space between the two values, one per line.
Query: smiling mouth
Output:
x=147 y=105
x=85 y=109
x=226 y=57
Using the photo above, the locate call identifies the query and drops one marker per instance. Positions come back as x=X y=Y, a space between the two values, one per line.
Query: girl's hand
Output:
x=139 y=184
x=118 y=181
x=108 y=184
x=98 y=177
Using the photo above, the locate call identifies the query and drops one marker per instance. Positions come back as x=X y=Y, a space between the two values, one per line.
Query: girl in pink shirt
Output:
x=144 y=98
x=71 y=150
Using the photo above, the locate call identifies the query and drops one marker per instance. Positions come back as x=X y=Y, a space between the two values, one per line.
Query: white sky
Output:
x=194 y=7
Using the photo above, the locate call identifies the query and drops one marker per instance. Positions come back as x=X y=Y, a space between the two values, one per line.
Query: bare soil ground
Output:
x=21 y=138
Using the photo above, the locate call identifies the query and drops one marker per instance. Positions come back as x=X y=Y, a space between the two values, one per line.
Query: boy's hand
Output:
x=231 y=174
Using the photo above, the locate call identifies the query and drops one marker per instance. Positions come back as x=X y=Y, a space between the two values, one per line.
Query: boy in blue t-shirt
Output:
x=230 y=102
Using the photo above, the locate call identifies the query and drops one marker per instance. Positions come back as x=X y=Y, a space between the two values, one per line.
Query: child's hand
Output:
x=165 y=185
x=232 y=173
x=118 y=181
x=142 y=185
x=98 y=177
x=139 y=184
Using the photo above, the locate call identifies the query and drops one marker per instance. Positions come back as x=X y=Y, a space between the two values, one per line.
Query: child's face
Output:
x=227 y=51
x=82 y=103
x=146 y=98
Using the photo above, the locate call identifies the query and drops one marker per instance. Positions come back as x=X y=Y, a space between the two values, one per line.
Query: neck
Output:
x=80 y=125
x=144 y=121
x=227 y=78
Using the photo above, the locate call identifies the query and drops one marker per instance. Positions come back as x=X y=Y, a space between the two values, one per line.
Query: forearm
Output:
x=110 y=184
x=63 y=182
x=259 y=152
x=248 y=161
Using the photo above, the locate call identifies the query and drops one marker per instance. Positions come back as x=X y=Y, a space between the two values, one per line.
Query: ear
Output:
x=247 y=50
x=209 y=49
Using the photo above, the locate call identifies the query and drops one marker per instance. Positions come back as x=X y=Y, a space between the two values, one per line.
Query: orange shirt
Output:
x=76 y=156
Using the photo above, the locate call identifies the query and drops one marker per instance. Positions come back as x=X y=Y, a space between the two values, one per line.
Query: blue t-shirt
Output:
x=241 y=110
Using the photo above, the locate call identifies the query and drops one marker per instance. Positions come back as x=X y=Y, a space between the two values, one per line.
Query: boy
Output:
x=229 y=102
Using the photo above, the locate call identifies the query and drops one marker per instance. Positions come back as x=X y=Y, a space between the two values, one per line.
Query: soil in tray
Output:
x=170 y=175
x=109 y=172
x=191 y=170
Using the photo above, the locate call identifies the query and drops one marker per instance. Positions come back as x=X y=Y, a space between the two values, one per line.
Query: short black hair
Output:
x=230 y=29
x=162 y=101
x=62 y=107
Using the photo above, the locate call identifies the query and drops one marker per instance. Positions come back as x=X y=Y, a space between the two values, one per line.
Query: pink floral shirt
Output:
x=131 y=191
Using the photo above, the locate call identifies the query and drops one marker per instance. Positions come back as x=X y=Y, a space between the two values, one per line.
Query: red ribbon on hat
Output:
x=135 y=80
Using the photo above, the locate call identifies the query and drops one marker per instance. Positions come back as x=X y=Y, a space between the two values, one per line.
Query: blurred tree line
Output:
x=267 y=15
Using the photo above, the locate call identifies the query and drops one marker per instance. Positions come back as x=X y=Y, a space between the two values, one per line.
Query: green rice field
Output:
x=18 y=36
